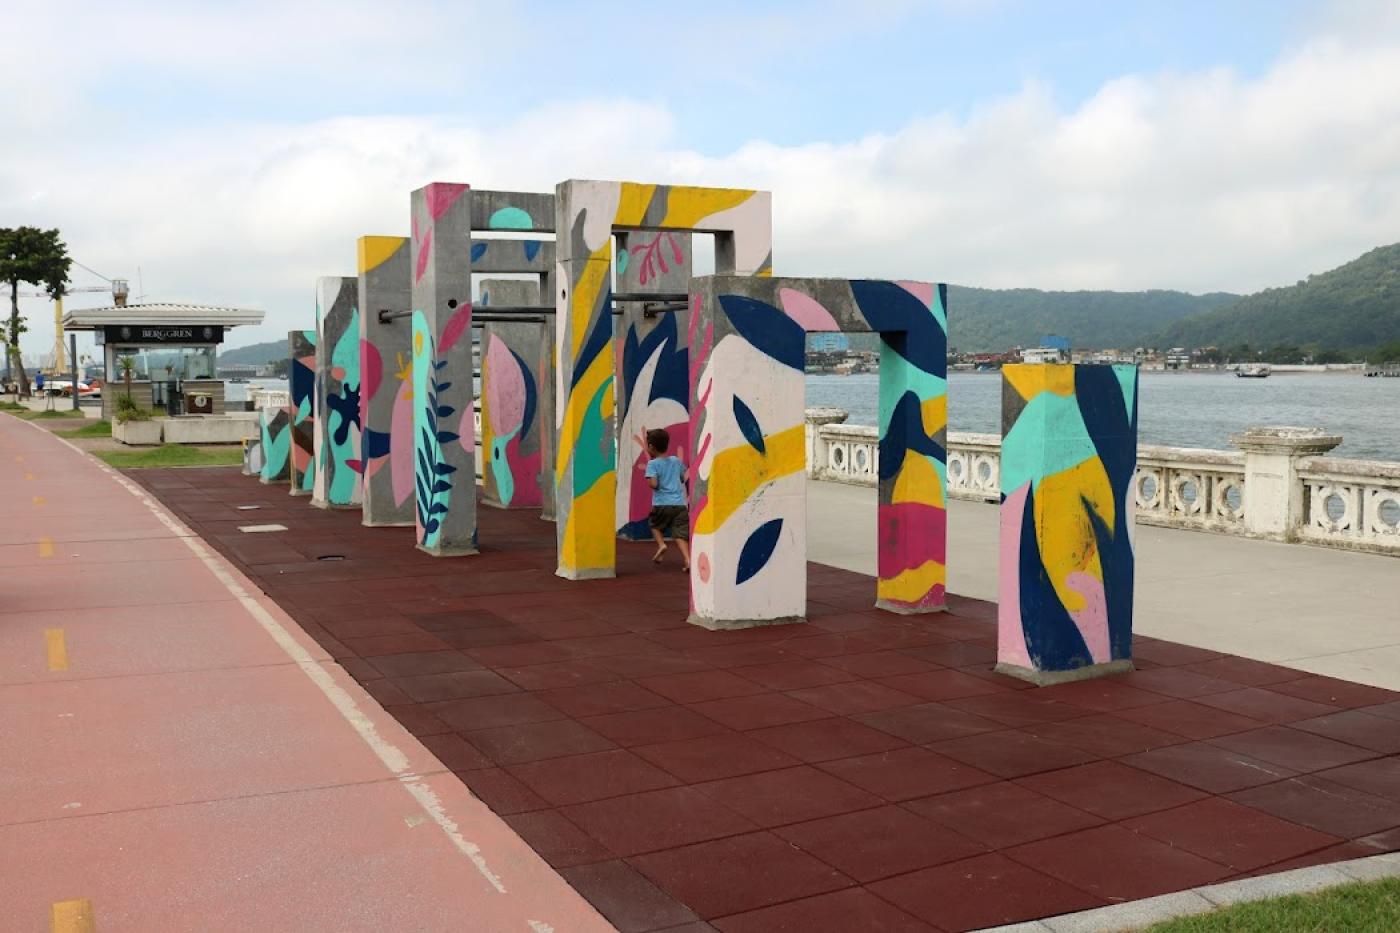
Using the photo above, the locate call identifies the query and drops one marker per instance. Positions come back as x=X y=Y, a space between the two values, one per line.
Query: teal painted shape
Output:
x=898 y=376
x=427 y=449
x=346 y=357
x=1128 y=379
x=275 y=453
x=623 y=260
x=1048 y=438
x=500 y=468
x=593 y=457
x=510 y=218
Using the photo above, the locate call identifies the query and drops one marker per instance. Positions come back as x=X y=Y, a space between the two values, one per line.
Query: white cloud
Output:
x=1203 y=181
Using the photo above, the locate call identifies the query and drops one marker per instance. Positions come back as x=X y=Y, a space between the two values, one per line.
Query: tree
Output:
x=37 y=257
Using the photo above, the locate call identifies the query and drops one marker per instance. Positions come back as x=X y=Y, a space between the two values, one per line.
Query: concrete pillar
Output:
x=337 y=437
x=1274 y=505
x=1068 y=455
x=275 y=444
x=653 y=367
x=386 y=381
x=301 y=377
x=514 y=374
x=443 y=400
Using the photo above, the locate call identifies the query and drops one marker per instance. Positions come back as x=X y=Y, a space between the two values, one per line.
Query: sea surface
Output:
x=1176 y=409
x=1180 y=409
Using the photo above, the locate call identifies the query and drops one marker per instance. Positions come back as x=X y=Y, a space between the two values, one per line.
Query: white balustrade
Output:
x=1350 y=503
x=270 y=398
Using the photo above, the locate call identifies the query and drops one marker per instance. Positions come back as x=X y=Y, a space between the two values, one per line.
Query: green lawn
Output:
x=19 y=411
x=91 y=429
x=1370 y=906
x=170 y=455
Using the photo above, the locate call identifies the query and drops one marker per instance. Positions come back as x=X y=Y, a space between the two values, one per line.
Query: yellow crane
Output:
x=58 y=365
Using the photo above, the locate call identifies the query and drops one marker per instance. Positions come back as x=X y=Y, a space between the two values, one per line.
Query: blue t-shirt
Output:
x=668 y=471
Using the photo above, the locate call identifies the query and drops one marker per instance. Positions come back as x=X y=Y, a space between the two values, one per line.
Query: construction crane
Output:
x=58 y=365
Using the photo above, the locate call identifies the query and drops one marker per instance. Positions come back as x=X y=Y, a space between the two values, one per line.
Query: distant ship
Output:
x=1259 y=371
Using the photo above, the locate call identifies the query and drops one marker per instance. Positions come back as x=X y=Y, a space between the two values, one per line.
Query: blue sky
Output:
x=234 y=151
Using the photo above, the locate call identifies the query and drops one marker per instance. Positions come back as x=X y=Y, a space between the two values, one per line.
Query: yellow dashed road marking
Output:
x=58 y=654
x=72 y=917
x=38 y=500
x=46 y=547
x=29 y=476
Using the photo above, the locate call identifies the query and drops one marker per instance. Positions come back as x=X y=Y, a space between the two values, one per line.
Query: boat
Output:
x=1259 y=371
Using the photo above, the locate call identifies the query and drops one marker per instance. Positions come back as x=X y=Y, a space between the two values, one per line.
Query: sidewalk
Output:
x=175 y=754
x=1316 y=609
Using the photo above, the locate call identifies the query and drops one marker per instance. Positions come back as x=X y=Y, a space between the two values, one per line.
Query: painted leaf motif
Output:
x=756 y=551
x=748 y=425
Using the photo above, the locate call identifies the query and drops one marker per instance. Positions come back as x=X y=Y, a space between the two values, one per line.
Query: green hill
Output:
x=1353 y=307
x=985 y=320
x=256 y=354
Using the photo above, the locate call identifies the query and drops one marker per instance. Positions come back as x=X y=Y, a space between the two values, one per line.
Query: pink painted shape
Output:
x=1092 y=620
x=505 y=389
x=371 y=375
x=466 y=430
x=1011 y=637
x=910 y=535
x=806 y=310
x=441 y=195
x=401 y=444
x=920 y=290
x=425 y=251
x=526 y=471
x=457 y=325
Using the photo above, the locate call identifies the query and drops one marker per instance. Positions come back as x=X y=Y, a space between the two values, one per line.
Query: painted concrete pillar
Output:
x=274 y=444
x=514 y=373
x=386 y=381
x=443 y=402
x=1068 y=455
x=587 y=215
x=337 y=438
x=653 y=369
x=301 y=377
x=748 y=494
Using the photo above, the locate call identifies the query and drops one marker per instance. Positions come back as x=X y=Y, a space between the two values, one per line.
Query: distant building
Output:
x=1057 y=343
x=1042 y=355
x=828 y=343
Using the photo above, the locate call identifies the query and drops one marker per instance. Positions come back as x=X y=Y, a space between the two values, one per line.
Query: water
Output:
x=1180 y=409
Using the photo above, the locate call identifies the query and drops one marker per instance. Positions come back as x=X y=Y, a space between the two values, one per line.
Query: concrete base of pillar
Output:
x=589 y=574
x=729 y=625
x=369 y=524
x=905 y=610
x=1050 y=678
x=320 y=504
x=301 y=492
x=447 y=552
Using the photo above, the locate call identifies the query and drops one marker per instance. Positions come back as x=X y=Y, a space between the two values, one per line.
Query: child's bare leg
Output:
x=684 y=546
x=660 y=546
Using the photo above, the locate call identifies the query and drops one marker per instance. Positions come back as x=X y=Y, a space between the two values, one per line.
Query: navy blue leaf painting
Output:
x=754 y=556
x=748 y=425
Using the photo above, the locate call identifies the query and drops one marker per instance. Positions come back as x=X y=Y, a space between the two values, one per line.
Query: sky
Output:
x=230 y=153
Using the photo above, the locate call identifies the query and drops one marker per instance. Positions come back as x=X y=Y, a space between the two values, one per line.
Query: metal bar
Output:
x=508 y=319
x=385 y=315
x=503 y=312
x=655 y=296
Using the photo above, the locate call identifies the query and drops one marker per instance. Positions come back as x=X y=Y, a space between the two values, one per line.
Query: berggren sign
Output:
x=149 y=333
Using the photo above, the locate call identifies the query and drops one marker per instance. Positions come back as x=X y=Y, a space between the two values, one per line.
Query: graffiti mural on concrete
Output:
x=1068 y=454
x=748 y=499
x=337 y=438
x=302 y=382
x=274 y=444
x=514 y=365
x=653 y=373
x=588 y=213
x=386 y=381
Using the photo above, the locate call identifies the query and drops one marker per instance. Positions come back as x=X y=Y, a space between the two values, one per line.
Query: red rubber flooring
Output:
x=865 y=771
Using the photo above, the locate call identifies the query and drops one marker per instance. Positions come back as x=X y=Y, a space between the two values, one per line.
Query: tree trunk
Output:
x=16 y=358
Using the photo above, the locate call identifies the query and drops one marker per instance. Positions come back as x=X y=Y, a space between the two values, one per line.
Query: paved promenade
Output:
x=1317 y=609
x=176 y=754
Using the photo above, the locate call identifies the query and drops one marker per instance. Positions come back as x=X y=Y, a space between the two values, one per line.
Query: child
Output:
x=666 y=475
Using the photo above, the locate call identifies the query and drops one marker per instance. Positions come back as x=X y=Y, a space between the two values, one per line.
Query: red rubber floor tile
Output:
x=1003 y=815
x=876 y=664
x=558 y=675
x=428 y=688
x=655 y=820
x=874 y=844
x=738 y=874
x=1018 y=709
x=757 y=712
x=1333 y=692
x=1209 y=767
x=906 y=773
x=650 y=726
x=486 y=712
x=1105 y=735
x=621 y=696
x=796 y=674
x=713 y=757
x=847 y=699
x=1181 y=683
x=1189 y=719
x=793 y=795
x=941 y=685
x=594 y=776
x=455 y=752
x=629 y=901
x=988 y=890
x=1118 y=865
x=1356 y=727
x=501 y=792
x=1100 y=695
x=955 y=654
x=1111 y=790
x=1229 y=834
x=536 y=741
x=851 y=909
x=929 y=722
x=826 y=739
x=1012 y=753
x=1265 y=705
x=1380 y=777
x=1324 y=805
x=1247 y=672
x=559 y=842
x=701 y=686
x=1169 y=654
x=1293 y=748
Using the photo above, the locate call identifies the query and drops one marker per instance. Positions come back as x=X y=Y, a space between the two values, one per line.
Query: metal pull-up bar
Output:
x=652 y=305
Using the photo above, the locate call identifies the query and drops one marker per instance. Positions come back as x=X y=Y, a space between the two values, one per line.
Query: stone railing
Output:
x=269 y=398
x=1277 y=485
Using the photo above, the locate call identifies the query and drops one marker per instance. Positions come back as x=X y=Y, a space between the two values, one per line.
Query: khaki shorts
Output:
x=671 y=519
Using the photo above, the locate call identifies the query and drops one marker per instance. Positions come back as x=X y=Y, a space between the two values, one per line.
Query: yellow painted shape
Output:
x=375 y=250
x=38 y=500
x=56 y=648
x=595 y=277
x=912 y=585
x=18 y=459
x=917 y=481
x=29 y=476
x=72 y=917
x=588 y=531
x=934 y=412
x=1030 y=379
x=1063 y=530
x=687 y=207
x=738 y=472
x=632 y=203
x=46 y=547
x=595 y=379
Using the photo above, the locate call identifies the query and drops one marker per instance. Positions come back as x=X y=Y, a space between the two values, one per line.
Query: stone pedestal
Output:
x=1068 y=455
x=1274 y=505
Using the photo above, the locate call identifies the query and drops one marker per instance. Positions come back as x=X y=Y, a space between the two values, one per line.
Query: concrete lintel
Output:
x=1050 y=678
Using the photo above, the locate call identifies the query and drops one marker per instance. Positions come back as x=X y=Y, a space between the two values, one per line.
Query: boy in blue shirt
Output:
x=666 y=475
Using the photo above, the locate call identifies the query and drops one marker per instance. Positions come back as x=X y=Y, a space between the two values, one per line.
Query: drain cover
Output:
x=248 y=508
x=259 y=529
x=331 y=557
